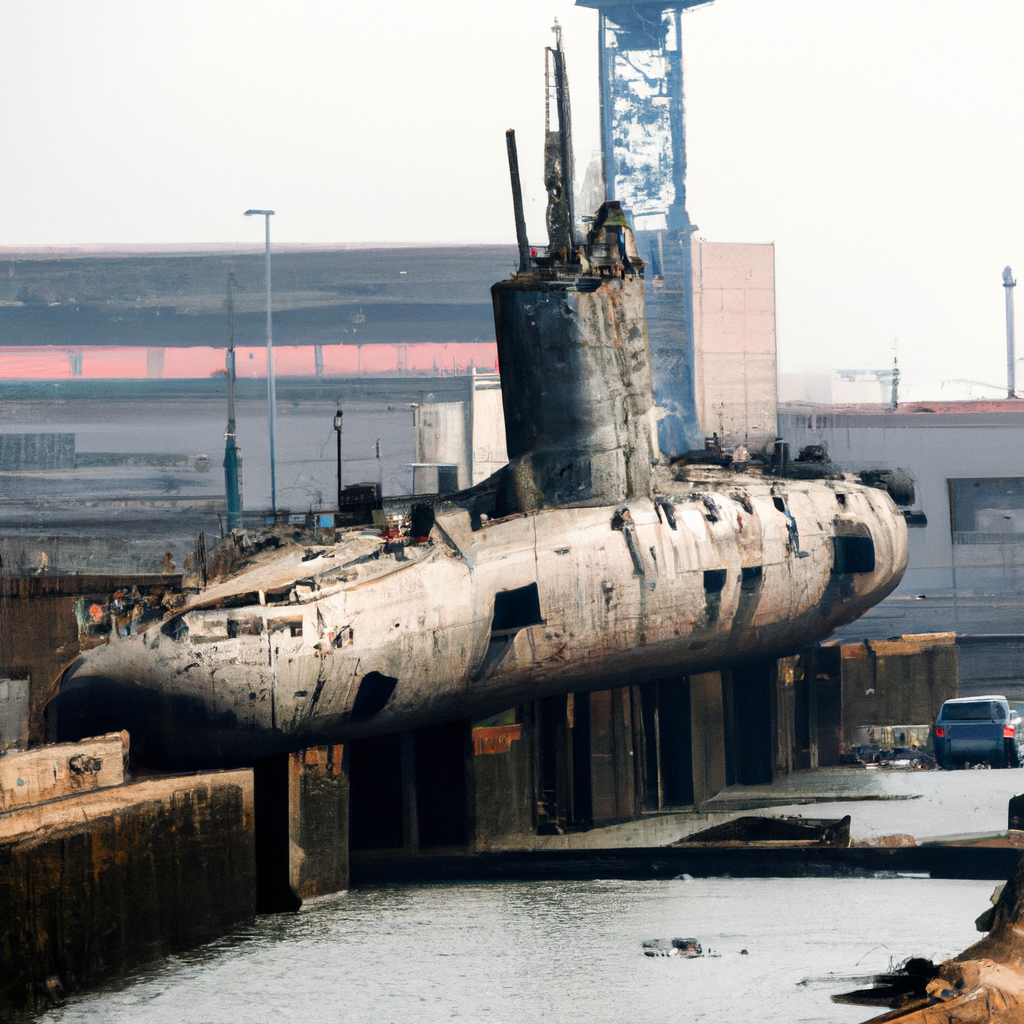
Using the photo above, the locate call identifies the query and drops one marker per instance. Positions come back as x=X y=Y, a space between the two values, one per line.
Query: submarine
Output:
x=589 y=561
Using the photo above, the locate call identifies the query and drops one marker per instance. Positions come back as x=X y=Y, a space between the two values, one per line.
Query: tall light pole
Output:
x=337 y=429
x=271 y=388
x=231 y=459
x=1011 y=356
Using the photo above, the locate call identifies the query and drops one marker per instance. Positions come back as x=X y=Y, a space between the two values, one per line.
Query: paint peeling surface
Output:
x=643 y=62
x=555 y=952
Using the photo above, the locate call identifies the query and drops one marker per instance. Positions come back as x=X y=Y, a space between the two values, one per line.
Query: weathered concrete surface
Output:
x=39 y=638
x=14 y=705
x=708 y=735
x=302 y=827
x=318 y=821
x=94 y=885
x=503 y=777
x=48 y=773
x=614 y=771
x=897 y=682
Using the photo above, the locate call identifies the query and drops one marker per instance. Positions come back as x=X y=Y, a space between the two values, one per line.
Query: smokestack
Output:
x=1011 y=356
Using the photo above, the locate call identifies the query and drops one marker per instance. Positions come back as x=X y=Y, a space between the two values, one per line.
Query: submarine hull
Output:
x=476 y=621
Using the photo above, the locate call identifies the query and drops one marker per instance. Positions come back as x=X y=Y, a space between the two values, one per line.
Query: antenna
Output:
x=558 y=157
x=517 y=201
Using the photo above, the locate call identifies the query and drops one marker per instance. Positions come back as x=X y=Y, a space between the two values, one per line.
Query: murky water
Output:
x=555 y=952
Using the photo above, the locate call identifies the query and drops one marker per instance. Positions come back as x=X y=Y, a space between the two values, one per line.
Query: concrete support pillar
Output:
x=410 y=820
x=318 y=821
x=301 y=827
x=750 y=705
x=812 y=714
x=783 y=673
x=503 y=799
x=707 y=725
x=614 y=765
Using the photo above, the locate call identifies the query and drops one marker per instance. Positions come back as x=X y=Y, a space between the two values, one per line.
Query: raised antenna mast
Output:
x=517 y=201
x=558 y=156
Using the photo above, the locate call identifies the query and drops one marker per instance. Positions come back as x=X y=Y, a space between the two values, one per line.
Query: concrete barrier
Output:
x=97 y=884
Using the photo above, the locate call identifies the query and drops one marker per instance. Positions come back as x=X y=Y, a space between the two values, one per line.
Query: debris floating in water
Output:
x=688 y=948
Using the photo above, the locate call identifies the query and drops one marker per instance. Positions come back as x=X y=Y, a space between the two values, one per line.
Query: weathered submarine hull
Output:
x=357 y=642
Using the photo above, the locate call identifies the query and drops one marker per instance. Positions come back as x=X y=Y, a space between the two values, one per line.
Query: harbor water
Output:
x=554 y=952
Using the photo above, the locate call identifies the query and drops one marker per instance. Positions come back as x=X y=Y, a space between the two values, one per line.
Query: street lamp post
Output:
x=271 y=387
x=231 y=454
x=337 y=429
x=1011 y=356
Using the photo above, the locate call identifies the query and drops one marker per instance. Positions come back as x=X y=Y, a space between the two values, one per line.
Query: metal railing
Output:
x=974 y=537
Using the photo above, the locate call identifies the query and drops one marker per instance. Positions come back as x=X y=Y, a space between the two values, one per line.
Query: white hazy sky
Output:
x=879 y=144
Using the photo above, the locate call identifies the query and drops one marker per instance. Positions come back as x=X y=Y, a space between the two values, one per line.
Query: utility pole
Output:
x=231 y=488
x=380 y=474
x=1011 y=355
x=337 y=430
x=271 y=387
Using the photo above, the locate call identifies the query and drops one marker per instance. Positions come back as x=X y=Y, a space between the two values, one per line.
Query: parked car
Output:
x=979 y=730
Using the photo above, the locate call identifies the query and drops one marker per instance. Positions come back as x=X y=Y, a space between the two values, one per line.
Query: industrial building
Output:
x=967 y=520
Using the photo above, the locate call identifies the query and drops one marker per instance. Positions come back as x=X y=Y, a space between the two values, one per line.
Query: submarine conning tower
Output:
x=572 y=343
x=576 y=373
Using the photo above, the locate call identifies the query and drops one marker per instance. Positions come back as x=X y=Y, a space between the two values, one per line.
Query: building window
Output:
x=987 y=510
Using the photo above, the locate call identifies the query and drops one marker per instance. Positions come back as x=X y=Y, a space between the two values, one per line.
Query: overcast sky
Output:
x=879 y=144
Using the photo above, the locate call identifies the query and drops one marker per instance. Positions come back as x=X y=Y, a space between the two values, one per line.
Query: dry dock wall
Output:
x=904 y=681
x=96 y=884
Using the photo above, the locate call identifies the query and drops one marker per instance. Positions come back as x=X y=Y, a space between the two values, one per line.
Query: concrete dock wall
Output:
x=65 y=769
x=94 y=885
